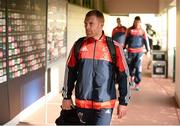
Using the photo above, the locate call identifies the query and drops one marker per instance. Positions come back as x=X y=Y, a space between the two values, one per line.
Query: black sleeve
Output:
x=124 y=91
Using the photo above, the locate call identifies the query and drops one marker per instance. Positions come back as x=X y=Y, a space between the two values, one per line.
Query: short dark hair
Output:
x=137 y=18
x=96 y=13
x=118 y=19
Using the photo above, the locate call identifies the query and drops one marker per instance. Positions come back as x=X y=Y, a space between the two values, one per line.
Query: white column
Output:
x=177 y=81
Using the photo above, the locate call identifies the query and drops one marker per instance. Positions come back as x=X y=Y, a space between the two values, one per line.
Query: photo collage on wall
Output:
x=3 y=74
x=22 y=37
x=56 y=34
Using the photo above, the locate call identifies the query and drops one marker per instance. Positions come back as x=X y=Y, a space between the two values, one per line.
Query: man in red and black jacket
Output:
x=92 y=74
x=118 y=33
x=136 y=38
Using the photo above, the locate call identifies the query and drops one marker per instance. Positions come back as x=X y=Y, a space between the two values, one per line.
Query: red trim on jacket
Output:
x=135 y=50
x=89 y=104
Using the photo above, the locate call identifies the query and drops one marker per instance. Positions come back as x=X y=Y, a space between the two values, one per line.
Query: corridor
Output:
x=153 y=105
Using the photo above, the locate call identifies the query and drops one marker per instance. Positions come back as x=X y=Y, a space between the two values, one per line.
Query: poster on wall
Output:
x=56 y=34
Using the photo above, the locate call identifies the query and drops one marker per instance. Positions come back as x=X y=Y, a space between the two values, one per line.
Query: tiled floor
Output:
x=153 y=105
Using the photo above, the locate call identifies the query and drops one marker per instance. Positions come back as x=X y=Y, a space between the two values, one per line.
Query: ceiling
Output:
x=124 y=7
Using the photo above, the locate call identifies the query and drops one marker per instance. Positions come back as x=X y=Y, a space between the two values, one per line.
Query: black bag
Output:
x=68 y=117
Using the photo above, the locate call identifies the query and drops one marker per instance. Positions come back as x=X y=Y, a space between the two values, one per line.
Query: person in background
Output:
x=92 y=76
x=118 y=33
x=152 y=37
x=157 y=46
x=136 y=38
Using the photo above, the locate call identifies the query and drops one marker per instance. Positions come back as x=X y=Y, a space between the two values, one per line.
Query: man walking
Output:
x=118 y=33
x=92 y=73
x=136 y=38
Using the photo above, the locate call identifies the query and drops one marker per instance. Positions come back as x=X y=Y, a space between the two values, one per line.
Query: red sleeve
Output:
x=71 y=61
x=120 y=58
x=113 y=32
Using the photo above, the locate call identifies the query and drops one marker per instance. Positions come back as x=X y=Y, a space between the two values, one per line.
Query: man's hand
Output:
x=148 y=54
x=121 y=111
x=67 y=104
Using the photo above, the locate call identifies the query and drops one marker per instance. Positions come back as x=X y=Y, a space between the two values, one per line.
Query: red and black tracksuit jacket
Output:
x=93 y=75
x=135 y=40
x=118 y=34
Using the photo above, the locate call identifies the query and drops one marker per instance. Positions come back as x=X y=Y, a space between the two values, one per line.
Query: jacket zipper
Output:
x=94 y=57
x=93 y=67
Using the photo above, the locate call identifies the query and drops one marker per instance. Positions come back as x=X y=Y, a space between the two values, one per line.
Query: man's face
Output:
x=137 y=23
x=93 y=27
x=118 y=21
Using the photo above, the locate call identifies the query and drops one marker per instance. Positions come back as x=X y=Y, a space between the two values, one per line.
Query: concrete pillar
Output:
x=177 y=81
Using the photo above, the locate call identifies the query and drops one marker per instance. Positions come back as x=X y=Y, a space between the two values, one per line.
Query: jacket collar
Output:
x=102 y=38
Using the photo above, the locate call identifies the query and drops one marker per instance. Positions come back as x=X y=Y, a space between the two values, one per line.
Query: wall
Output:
x=55 y=75
x=4 y=104
x=124 y=7
x=23 y=44
x=26 y=90
x=75 y=24
x=171 y=39
x=177 y=81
